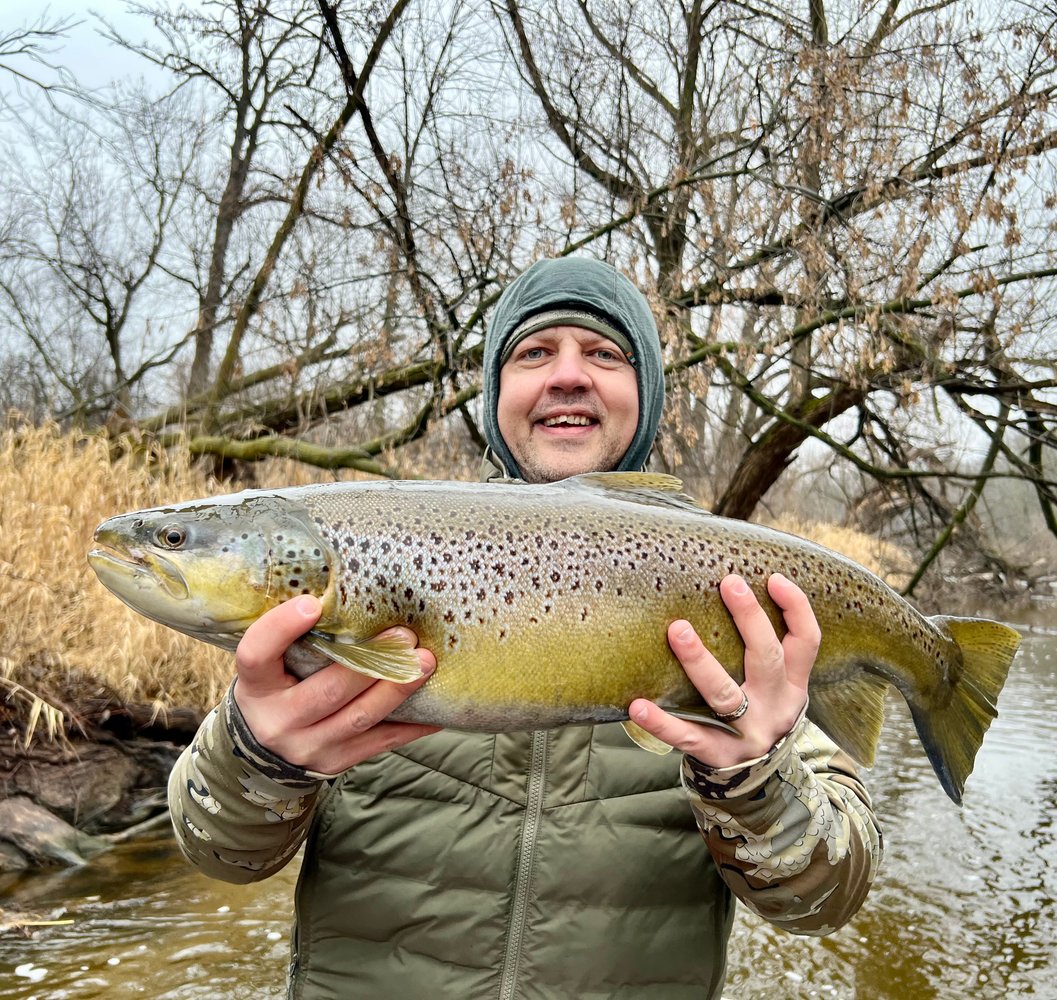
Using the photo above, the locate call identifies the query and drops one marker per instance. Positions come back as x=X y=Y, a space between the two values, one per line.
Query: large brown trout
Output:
x=547 y=605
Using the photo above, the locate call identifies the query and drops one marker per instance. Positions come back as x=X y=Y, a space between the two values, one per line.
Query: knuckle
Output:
x=247 y=657
x=729 y=695
x=338 y=686
x=393 y=739
x=268 y=733
x=772 y=655
x=359 y=720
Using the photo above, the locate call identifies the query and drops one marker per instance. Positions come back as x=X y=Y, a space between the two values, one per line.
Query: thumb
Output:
x=260 y=653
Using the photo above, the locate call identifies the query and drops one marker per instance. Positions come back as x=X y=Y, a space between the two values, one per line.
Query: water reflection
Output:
x=966 y=904
x=145 y=925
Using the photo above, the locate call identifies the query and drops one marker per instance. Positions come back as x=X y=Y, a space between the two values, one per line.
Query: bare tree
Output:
x=91 y=204
x=255 y=65
x=827 y=201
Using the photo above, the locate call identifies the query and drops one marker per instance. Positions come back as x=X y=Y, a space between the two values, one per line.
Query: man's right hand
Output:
x=333 y=719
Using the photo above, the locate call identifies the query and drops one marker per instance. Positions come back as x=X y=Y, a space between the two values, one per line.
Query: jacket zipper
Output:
x=526 y=859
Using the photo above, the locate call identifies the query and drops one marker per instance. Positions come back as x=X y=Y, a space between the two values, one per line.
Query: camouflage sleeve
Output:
x=239 y=812
x=793 y=834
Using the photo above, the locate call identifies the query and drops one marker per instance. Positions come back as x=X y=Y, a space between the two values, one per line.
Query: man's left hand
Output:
x=776 y=677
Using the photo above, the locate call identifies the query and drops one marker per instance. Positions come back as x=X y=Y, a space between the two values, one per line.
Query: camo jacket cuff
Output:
x=741 y=780
x=270 y=765
x=793 y=834
x=237 y=816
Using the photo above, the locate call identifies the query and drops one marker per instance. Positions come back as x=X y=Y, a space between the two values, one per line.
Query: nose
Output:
x=570 y=370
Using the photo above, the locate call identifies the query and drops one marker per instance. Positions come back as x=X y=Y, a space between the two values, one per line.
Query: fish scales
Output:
x=526 y=580
x=548 y=605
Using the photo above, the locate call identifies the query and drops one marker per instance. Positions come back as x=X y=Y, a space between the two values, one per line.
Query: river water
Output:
x=965 y=905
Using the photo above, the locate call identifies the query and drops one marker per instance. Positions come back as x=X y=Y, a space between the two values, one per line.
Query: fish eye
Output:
x=172 y=536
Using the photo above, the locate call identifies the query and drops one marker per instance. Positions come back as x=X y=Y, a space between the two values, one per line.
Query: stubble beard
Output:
x=535 y=470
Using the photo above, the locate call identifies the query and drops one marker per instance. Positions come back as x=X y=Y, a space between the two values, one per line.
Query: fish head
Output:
x=210 y=568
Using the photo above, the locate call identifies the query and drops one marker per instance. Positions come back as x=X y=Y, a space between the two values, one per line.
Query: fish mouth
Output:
x=118 y=566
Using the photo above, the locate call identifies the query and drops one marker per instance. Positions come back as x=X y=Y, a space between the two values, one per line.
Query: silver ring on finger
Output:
x=737 y=713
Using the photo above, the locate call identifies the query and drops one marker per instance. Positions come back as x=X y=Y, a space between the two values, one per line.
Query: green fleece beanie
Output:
x=579 y=292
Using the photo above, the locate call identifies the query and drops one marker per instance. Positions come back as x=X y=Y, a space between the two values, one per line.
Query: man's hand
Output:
x=333 y=719
x=776 y=677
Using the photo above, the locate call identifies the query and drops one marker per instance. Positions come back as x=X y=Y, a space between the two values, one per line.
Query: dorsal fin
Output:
x=653 y=488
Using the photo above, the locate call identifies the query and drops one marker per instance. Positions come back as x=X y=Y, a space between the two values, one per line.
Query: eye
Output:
x=606 y=354
x=532 y=354
x=172 y=536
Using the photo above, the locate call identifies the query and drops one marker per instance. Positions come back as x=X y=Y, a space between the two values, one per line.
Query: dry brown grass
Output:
x=891 y=563
x=65 y=639
x=64 y=635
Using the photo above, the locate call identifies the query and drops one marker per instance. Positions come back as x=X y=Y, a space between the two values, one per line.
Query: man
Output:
x=562 y=864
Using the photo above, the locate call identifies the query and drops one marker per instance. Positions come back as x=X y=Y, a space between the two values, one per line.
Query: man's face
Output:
x=568 y=404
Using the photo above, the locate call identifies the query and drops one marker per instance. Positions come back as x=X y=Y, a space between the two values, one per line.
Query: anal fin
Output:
x=850 y=713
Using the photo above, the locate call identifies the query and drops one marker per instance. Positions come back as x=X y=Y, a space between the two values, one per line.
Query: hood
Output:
x=579 y=284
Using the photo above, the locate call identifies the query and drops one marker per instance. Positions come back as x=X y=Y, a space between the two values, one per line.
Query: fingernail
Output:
x=779 y=576
x=738 y=586
x=427 y=668
x=639 y=713
x=685 y=632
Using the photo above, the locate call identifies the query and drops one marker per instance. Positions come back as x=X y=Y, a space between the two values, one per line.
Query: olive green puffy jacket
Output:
x=544 y=866
x=554 y=865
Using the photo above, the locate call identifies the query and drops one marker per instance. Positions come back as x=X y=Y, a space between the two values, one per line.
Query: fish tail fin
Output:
x=951 y=734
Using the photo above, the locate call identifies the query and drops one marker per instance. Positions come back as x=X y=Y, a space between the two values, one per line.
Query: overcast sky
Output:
x=94 y=61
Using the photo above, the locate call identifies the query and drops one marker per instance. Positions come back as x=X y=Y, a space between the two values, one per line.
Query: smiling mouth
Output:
x=568 y=420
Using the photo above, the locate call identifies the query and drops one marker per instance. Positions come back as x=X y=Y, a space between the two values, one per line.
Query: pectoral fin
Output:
x=386 y=659
x=700 y=715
